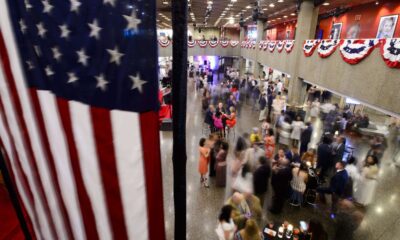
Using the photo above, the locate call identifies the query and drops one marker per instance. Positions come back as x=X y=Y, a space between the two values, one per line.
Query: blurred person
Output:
x=220 y=165
x=244 y=180
x=298 y=184
x=280 y=181
x=255 y=136
x=241 y=211
x=316 y=230
x=269 y=142
x=366 y=186
x=297 y=127
x=261 y=179
x=231 y=118
x=293 y=155
x=209 y=118
x=339 y=148
x=347 y=220
x=263 y=107
x=250 y=231
x=309 y=157
x=264 y=127
x=203 y=161
x=218 y=125
x=214 y=143
x=254 y=205
x=314 y=112
x=305 y=138
x=284 y=133
x=226 y=227
x=252 y=155
x=325 y=160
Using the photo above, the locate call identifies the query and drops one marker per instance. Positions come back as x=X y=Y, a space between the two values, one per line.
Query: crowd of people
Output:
x=278 y=155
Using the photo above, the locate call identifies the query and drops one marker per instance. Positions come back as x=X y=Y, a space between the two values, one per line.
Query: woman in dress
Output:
x=297 y=126
x=310 y=157
x=368 y=181
x=284 y=132
x=314 y=112
x=269 y=143
x=203 y=161
x=298 y=184
x=231 y=118
x=220 y=166
x=226 y=228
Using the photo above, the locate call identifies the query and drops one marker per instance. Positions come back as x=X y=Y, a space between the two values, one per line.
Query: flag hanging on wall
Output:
x=78 y=116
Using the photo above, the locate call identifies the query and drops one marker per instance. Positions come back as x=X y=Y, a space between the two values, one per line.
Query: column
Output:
x=306 y=25
x=242 y=63
x=260 y=36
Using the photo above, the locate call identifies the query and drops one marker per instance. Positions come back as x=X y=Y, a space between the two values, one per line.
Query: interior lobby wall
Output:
x=232 y=33
x=282 y=31
x=369 y=16
x=208 y=33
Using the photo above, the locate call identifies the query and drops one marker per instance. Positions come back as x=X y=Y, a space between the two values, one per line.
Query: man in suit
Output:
x=338 y=150
x=280 y=181
x=324 y=157
x=305 y=138
x=293 y=155
x=209 y=117
x=261 y=179
x=336 y=187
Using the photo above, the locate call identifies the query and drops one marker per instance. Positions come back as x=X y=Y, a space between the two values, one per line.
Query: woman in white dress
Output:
x=284 y=133
x=368 y=181
x=314 y=112
x=297 y=126
x=226 y=228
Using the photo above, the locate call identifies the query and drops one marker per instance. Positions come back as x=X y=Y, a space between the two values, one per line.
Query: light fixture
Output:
x=326 y=4
x=233 y=1
x=280 y=1
x=285 y=16
x=271 y=5
x=231 y=20
x=165 y=2
x=293 y=14
x=377 y=3
x=265 y=9
x=209 y=2
x=248 y=7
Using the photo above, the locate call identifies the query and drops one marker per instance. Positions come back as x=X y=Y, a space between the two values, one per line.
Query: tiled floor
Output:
x=381 y=221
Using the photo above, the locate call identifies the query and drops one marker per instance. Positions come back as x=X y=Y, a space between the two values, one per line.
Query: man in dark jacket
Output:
x=305 y=138
x=339 y=149
x=261 y=178
x=324 y=157
x=293 y=155
x=337 y=185
x=280 y=181
x=209 y=117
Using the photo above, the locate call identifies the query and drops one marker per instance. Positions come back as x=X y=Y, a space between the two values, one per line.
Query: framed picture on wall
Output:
x=387 y=26
x=353 y=32
x=336 y=30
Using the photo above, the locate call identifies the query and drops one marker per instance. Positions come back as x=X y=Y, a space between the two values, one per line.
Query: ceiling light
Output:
x=165 y=2
x=326 y=4
x=230 y=5
x=248 y=7
x=293 y=14
x=280 y=1
x=209 y=2
x=233 y=0
x=279 y=18
x=265 y=9
x=231 y=20
x=377 y=3
x=285 y=16
x=271 y=5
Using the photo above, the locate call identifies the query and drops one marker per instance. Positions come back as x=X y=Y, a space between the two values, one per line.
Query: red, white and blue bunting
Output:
x=289 y=45
x=310 y=46
x=164 y=42
x=390 y=50
x=354 y=51
x=261 y=44
x=280 y=45
x=224 y=44
x=271 y=46
x=202 y=43
x=234 y=43
x=254 y=44
x=249 y=44
x=265 y=45
x=243 y=44
x=327 y=47
x=213 y=44
x=191 y=43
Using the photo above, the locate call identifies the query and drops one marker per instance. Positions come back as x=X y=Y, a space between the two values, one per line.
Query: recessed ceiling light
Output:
x=280 y=1
x=271 y=5
x=293 y=14
x=209 y=2
x=279 y=18
x=230 y=5
x=326 y=4
x=285 y=16
x=248 y=7
x=265 y=9
x=233 y=0
x=165 y=2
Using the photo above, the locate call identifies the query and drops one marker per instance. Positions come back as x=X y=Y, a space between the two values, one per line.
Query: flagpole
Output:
x=179 y=92
x=13 y=196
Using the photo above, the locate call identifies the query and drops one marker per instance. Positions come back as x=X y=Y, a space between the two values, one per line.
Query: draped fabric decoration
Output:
x=289 y=45
x=243 y=44
x=280 y=45
x=213 y=44
x=202 y=43
x=253 y=44
x=271 y=46
x=261 y=45
x=354 y=51
x=390 y=50
x=224 y=44
x=234 y=43
x=248 y=44
x=327 y=47
x=310 y=46
x=191 y=44
x=265 y=45
x=164 y=42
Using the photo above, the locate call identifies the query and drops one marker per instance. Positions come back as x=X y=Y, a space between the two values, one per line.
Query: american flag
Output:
x=78 y=116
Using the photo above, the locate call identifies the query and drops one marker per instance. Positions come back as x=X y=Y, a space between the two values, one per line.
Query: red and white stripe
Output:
x=81 y=172
x=327 y=47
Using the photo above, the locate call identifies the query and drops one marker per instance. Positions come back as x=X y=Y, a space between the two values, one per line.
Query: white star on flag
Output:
x=101 y=82
x=28 y=6
x=22 y=26
x=72 y=77
x=41 y=30
x=75 y=4
x=94 y=29
x=30 y=65
x=56 y=53
x=46 y=6
x=49 y=71
x=133 y=22
x=137 y=83
x=37 y=50
x=111 y=2
x=64 y=31
x=83 y=58
x=115 y=55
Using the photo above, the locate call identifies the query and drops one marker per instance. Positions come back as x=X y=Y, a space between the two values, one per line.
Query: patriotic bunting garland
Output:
x=327 y=47
x=280 y=45
x=310 y=46
x=224 y=44
x=191 y=43
x=354 y=51
x=271 y=46
x=202 y=43
x=390 y=50
x=213 y=44
x=164 y=43
x=289 y=45
x=234 y=43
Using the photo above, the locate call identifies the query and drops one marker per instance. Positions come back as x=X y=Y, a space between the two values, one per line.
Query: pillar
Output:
x=260 y=36
x=306 y=26
x=242 y=63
